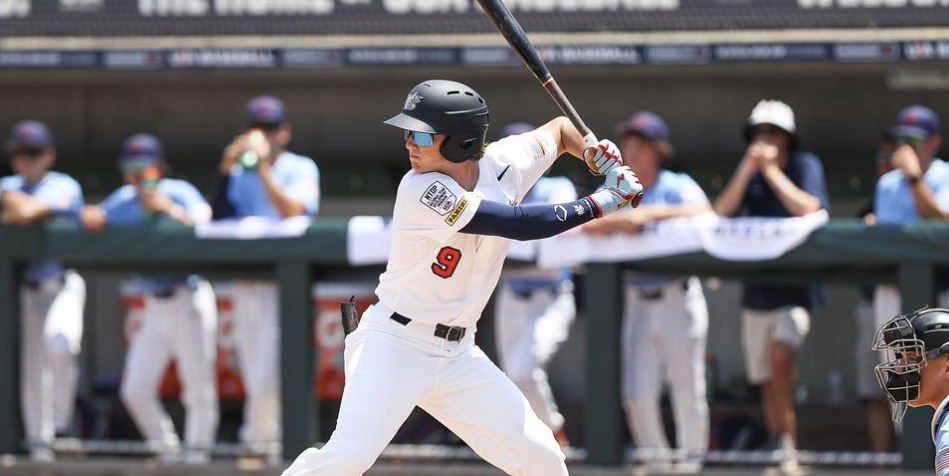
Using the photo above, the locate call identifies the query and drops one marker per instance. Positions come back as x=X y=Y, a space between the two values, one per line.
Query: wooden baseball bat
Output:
x=511 y=30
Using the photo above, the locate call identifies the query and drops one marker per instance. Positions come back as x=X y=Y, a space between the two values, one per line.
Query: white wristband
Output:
x=608 y=201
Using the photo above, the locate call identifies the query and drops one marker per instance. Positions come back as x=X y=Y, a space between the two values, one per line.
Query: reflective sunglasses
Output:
x=911 y=140
x=136 y=165
x=422 y=139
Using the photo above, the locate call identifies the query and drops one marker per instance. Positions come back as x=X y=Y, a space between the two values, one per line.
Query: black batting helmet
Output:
x=440 y=106
x=909 y=341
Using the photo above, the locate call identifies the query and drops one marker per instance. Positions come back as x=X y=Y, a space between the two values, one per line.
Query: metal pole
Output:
x=605 y=423
x=299 y=404
x=918 y=289
x=11 y=434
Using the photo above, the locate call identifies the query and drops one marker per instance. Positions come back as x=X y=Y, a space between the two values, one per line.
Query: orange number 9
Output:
x=446 y=262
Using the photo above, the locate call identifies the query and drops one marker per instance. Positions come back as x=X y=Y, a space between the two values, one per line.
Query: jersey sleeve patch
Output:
x=441 y=200
x=457 y=211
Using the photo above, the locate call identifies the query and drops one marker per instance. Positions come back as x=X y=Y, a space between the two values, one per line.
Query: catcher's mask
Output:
x=909 y=342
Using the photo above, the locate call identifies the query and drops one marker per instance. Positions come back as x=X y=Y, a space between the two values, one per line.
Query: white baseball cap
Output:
x=771 y=112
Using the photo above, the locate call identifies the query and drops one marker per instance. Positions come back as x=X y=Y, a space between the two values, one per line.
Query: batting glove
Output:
x=621 y=187
x=603 y=158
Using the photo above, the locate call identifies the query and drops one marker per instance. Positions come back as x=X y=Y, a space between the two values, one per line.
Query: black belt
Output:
x=165 y=294
x=653 y=294
x=449 y=333
x=530 y=293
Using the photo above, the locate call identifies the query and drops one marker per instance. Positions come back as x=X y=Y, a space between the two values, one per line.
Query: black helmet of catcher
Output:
x=440 y=106
x=909 y=341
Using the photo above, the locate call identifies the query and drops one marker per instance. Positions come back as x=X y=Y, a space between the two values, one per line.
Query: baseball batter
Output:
x=51 y=297
x=915 y=370
x=179 y=320
x=534 y=309
x=275 y=183
x=665 y=319
x=454 y=215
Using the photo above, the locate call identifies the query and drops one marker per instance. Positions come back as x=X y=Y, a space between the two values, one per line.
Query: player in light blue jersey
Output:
x=179 y=319
x=665 y=318
x=51 y=297
x=915 y=370
x=918 y=187
x=259 y=177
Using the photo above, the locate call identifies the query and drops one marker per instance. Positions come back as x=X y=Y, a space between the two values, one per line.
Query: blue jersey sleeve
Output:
x=62 y=195
x=812 y=180
x=688 y=192
x=304 y=186
x=113 y=204
x=942 y=450
x=186 y=195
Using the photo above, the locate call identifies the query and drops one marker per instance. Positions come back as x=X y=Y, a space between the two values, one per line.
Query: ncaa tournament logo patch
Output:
x=412 y=100
x=439 y=198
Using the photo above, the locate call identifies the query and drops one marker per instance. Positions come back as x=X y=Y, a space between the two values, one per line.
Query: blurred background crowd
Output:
x=184 y=113
x=212 y=352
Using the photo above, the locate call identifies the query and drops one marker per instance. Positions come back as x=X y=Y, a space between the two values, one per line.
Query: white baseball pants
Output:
x=528 y=331
x=391 y=368
x=664 y=342
x=51 y=334
x=257 y=340
x=180 y=327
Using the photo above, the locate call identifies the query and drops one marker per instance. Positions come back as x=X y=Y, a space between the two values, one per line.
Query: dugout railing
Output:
x=914 y=257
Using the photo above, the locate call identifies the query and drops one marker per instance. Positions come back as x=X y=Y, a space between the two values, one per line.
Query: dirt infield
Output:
x=10 y=466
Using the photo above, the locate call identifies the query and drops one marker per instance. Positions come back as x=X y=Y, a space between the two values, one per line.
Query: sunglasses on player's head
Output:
x=422 y=139
x=911 y=140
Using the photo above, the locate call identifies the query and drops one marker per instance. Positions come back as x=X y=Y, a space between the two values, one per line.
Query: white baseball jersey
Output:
x=435 y=274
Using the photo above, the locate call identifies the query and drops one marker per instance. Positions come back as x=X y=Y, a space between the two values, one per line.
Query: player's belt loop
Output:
x=401 y=319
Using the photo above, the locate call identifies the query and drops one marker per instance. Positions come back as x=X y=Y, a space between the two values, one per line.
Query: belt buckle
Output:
x=455 y=334
x=650 y=295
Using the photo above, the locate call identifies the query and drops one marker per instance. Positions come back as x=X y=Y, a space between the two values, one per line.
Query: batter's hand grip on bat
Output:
x=348 y=311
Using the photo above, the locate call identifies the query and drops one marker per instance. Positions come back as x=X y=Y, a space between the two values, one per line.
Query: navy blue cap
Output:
x=265 y=110
x=516 y=128
x=645 y=124
x=142 y=147
x=916 y=121
x=29 y=135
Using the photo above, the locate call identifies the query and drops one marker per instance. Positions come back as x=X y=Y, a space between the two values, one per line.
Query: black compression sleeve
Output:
x=221 y=207
x=530 y=222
